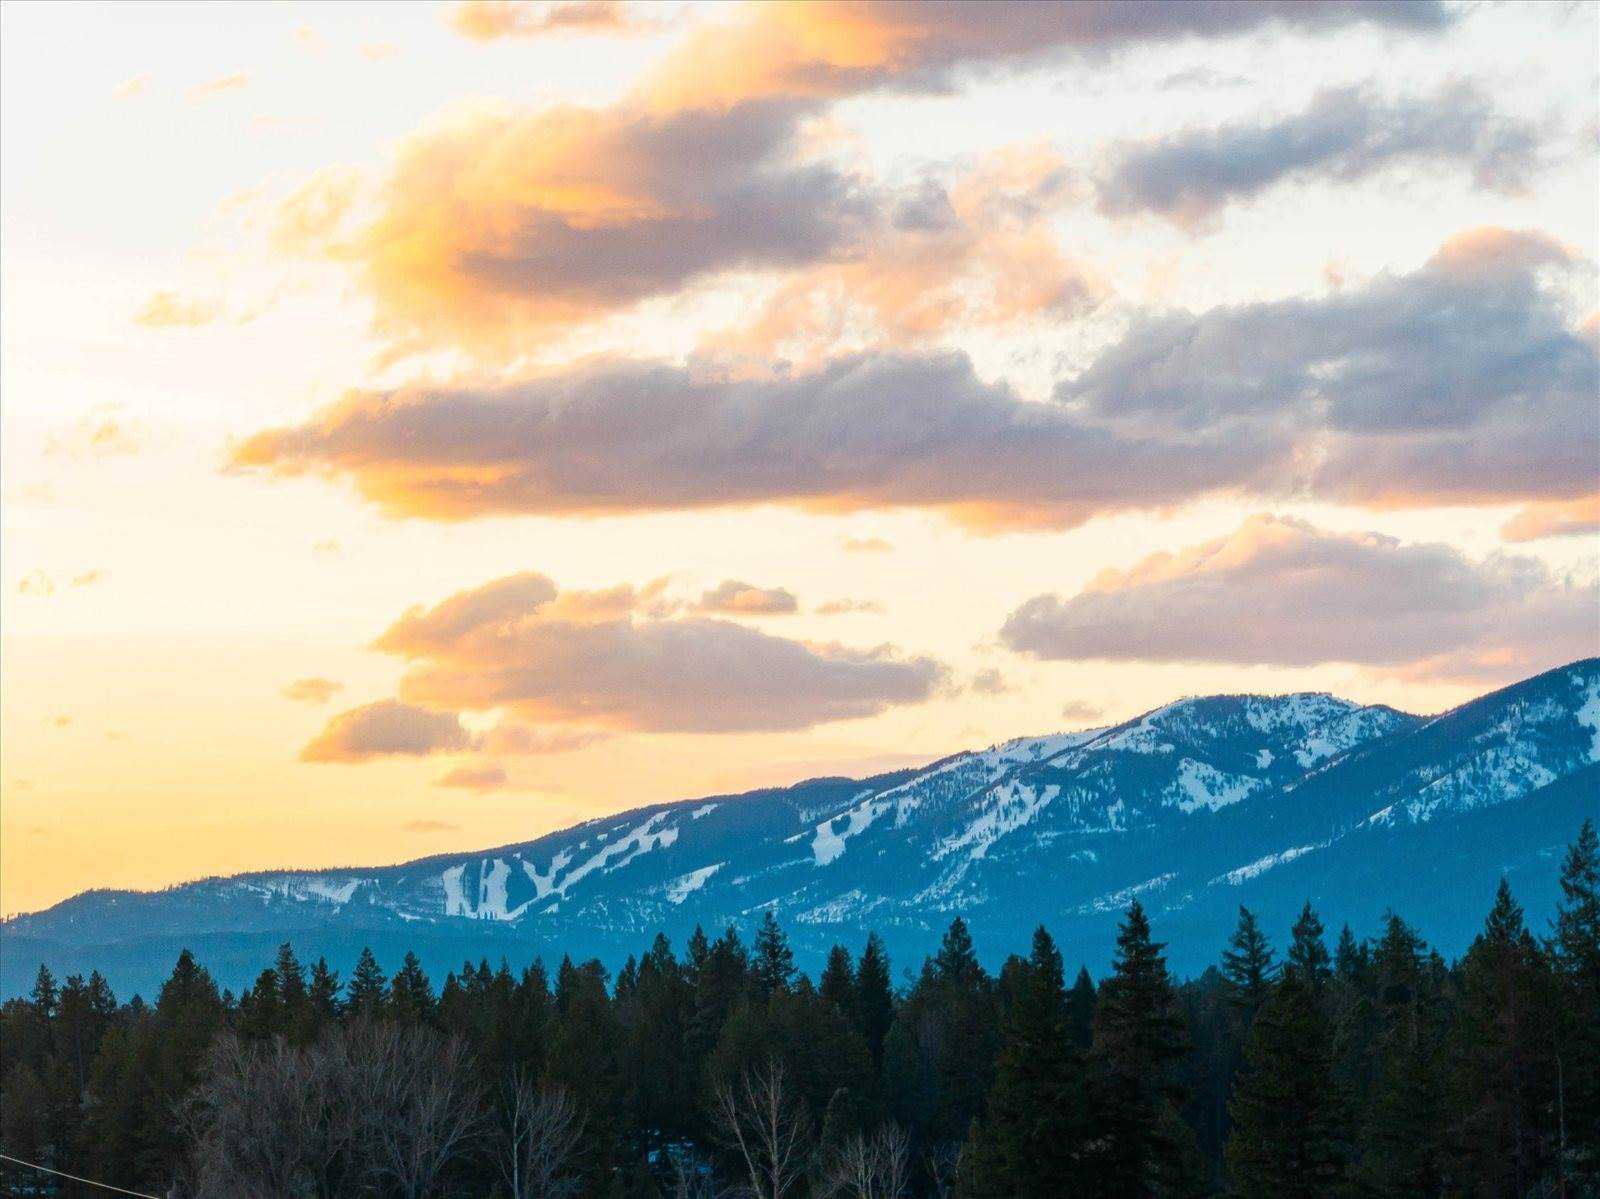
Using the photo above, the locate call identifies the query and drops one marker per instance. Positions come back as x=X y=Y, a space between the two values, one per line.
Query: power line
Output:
x=73 y=1177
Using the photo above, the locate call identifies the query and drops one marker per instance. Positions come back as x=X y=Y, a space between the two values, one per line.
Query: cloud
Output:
x=1078 y=710
x=473 y=778
x=169 y=310
x=36 y=582
x=842 y=607
x=312 y=690
x=1459 y=382
x=1345 y=133
x=516 y=740
x=1283 y=592
x=238 y=81
x=490 y=20
x=103 y=433
x=386 y=728
x=1560 y=518
x=429 y=826
x=378 y=51
x=867 y=545
x=512 y=645
x=502 y=224
x=88 y=578
x=131 y=87
x=989 y=681
x=743 y=599
x=979 y=252
x=863 y=432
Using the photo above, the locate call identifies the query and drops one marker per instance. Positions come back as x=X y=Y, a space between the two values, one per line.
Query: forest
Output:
x=1310 y=1064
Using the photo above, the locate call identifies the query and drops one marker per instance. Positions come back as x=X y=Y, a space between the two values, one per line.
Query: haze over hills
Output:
x=1195 y=808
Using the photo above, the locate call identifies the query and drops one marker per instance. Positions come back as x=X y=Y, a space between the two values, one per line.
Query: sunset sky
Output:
x=425 y=427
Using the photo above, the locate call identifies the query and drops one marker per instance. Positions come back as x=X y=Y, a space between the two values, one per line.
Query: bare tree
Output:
x=944 y=1164
x=413 y=1099
x=543 y=1128
x=759 y=1116
x=364 y=1106
x=876 y=1167
x=265 y=1121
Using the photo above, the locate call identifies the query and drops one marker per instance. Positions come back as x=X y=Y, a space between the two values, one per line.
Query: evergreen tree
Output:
x=1031 y=1142
x=838 y=981
x=1502 y=1085
x=1139 y=1039
x=774 y=960
x=1308 y=954
x=1247 y=964
x=1576 y=953
x=323 y=1006
x=1080 y=1009
x=410 y=993
x=367 y=991
x=1290 y=1133
x=1401 y=1142
x=874 y=996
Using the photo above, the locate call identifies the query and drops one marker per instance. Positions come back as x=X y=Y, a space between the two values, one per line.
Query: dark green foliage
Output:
x=1308 y=953
x=1247 y=965
x=1139 y=1040
x=1290 y=1134
x=1378 y=1070
x=1031 y=1141
x=774 y=960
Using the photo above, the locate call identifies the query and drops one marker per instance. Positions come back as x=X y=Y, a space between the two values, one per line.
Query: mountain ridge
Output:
x=1196 y=806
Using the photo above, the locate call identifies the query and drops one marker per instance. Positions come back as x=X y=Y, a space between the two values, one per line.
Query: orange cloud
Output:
x=386 y=728
x=490 y=20
x=511 y=645
x=741 y=599
x=473 y=778
x=312 y=690
x=129 y=88
x=169 y=310
x=499 y=226
x=1557 y=518
x=1282 y=591
x=220 y=86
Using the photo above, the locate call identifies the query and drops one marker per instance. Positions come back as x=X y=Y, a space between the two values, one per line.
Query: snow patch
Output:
x=685 y=885
x=1200 y=785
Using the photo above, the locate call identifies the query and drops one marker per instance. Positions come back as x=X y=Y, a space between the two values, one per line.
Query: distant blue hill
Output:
x=1195 y=808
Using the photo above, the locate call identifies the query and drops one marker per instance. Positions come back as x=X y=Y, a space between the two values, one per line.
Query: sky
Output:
x=426 y=427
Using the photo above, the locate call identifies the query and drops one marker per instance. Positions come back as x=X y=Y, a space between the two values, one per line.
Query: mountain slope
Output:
x=1196 y=808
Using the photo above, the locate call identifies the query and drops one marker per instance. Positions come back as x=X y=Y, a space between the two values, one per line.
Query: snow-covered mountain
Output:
x=1195 y=807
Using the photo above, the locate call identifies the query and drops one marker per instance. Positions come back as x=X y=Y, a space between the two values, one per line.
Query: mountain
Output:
x=1195 y=808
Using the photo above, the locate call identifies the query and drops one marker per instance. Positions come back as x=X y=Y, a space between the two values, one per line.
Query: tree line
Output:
x=1365 y=1068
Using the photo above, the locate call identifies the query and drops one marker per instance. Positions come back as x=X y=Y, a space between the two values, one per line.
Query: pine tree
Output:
x=874 y=996
x=1080 y=1009
x=1576 y=953
x=774 y=960
x=838 y=982
x=1247 y=965
x=1290 y=1132
x=1401 y=1140
x=367 y=990
x=410 y=993
x=1139 y=1038
x=1031 y=1142
x=1502 y=1085
x=1308 y=954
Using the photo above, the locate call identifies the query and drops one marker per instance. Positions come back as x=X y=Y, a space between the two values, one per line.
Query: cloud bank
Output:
x=1459 y=382
x=1284 y=592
